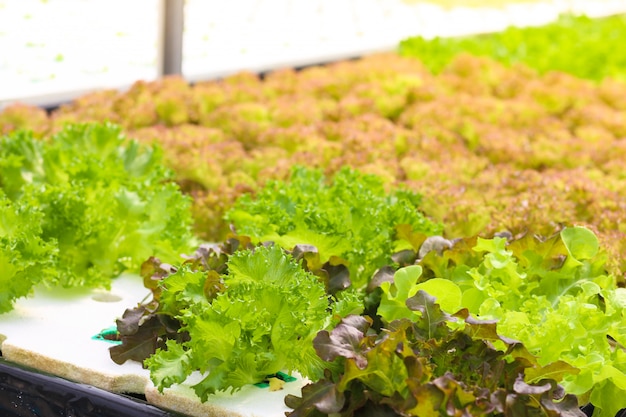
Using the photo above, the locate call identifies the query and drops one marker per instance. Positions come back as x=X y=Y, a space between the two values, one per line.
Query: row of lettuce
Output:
x=585 y=47
x=350 y=286
x=488 y=145
x=336 y=278
x=384 y=307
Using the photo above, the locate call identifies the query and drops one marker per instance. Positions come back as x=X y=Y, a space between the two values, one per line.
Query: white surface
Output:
x=53 y=330
x=54 y=50
x=49 y=47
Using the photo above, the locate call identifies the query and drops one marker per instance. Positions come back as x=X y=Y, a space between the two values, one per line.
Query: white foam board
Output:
x=52 y=332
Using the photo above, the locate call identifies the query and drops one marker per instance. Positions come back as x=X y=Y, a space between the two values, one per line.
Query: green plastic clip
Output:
x=280 y=375
x=109 y=335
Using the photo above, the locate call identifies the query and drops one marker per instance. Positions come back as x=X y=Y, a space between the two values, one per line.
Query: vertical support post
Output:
x=171 y=27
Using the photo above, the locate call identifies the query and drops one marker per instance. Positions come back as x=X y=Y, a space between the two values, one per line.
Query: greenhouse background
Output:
x=53 y=50
x=313 y=208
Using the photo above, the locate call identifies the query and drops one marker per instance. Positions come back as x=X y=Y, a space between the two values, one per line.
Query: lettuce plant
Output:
x=429 y=366
x=553 y=295
x=350 y=219
x=236 y=314
x=103 y=202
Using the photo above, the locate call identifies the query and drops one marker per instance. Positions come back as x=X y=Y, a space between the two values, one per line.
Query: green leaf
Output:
x=446 y=292
x=170 y=366
x=570 y=44
x=26 y=259
x=393 y=302
x=581 y=243
x=608 y=399
x=555 y=370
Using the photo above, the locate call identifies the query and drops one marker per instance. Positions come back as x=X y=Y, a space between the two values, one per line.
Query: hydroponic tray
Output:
x=59 y=332
x=26 y=392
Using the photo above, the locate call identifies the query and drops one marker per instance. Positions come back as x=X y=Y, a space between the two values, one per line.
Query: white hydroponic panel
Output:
x=54 y=332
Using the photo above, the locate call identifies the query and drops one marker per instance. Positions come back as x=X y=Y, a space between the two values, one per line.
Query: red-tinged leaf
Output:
x=372 y=409
x=301 y=249
x=414 y=367
x=345 y=340
x=236 y=242
x=435 y=244
x=338 y=278
x=486 y=330
x=567 y=407
x=405 y=257
x=320 y=397
x=543 y=400
x=153 y=270
x=550 y=252
x=129 y=323
x=213 y=285
x=362 y=323
x=209 y=257
x=458 y=395
x=313 y=261
x=433 y=320
x=311 y=256
x=429 y=399
x=406 y=232
x=171 y=326
x=522 y=387
x=384 y=274
x=139 y=345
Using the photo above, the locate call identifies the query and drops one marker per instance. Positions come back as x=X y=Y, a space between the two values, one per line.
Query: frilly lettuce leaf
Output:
x=25 y=258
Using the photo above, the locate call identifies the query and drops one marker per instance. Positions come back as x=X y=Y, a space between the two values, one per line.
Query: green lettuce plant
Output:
x=236 y=313
x=105 y=203
x=350 y=218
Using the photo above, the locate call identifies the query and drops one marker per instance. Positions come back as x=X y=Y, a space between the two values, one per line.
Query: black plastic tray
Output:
x=25 y=392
